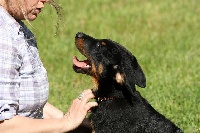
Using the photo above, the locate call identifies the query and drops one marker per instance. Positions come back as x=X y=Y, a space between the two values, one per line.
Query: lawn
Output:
x=163 y=35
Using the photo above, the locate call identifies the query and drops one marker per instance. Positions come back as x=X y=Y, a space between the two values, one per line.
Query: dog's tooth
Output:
x=88 y=66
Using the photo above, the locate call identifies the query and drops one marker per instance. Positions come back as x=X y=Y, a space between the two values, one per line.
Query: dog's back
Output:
x=120 y=116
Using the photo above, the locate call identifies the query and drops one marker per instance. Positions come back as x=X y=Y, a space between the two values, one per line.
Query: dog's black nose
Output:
x=79 y=35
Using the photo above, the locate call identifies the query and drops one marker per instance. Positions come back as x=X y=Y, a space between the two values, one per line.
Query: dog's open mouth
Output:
x=81 y=66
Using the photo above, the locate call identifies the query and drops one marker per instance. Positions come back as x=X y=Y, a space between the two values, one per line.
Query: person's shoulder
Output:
x=10 y=37
x=8 y=25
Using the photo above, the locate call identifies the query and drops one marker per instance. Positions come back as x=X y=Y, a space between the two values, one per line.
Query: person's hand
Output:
x=79 y=109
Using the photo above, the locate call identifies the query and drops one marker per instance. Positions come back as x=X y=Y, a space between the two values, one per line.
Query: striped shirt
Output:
x=24 y=85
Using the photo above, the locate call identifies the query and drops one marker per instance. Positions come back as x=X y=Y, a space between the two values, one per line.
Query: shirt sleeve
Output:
x=9 y=75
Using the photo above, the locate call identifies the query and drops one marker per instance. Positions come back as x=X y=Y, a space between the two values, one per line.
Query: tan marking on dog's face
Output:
x=95 y=83
x=120 y=78
x=93 y=70
x=94 y=76
x=103 y=43
x=80 y=45
x=100 y=68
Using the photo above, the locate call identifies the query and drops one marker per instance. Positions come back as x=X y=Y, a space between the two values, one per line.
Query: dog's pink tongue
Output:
x=81 y=64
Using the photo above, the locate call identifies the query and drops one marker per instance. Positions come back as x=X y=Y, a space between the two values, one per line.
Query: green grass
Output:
x=163 y=35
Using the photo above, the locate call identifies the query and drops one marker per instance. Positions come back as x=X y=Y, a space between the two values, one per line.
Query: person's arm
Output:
x=71 y=120
x=49 y=111
x=20 y=124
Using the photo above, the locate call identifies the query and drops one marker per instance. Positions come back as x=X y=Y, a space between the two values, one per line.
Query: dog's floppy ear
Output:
x=128 y=71
x=133 y=72
x=130 y=74
x=139 y=76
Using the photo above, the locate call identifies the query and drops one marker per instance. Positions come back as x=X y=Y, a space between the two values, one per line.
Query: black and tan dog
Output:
x=115 y=72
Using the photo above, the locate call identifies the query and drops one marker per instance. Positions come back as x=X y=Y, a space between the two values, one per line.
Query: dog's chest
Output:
x=111 y=115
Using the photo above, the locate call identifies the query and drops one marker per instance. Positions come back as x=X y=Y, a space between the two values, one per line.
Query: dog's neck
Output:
x=109 y=90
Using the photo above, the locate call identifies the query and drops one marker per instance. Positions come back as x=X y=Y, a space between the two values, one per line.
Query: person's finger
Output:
x=76 y=102
x=89 y=105
x=86 y=99
x=86 y=93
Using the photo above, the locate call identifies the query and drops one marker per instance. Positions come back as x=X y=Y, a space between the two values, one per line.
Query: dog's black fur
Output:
x=115 y=72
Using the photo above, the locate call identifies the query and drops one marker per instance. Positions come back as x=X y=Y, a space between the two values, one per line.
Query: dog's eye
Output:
x=98 y=45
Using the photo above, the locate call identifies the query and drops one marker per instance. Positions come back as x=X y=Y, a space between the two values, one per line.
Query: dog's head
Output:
x=107 y=61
